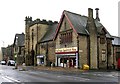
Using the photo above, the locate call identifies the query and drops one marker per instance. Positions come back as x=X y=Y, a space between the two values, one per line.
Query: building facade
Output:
x=4 y=53
x=10 y=52
x=19 y=46
x=47 y=46
x=35 y=32
x=116 y=52
x=82 y=40
x=74 y=41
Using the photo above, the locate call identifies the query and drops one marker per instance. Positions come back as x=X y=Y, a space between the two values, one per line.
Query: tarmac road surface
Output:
x=10 y=75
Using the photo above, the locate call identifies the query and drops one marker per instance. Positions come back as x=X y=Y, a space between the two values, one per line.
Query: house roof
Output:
x=21 y=39
x=79 y=23
x=116 y=40
x=50 y=33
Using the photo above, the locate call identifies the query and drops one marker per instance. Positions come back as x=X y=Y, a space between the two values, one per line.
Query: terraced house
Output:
x=74 y=41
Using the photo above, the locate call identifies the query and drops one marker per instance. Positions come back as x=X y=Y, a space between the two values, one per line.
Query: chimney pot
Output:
x=90 y=12
x=97 y=14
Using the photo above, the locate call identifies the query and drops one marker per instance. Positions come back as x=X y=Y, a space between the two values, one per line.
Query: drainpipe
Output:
x=78 y=52
x=46 y=54
x=113 y=58
x=98 y=53
x=107 y=55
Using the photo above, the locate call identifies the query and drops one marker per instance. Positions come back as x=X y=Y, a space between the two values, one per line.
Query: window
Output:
x=102 y=39
x=65 y=37
x=102 y=36
x=109 y=44
x=103 y=55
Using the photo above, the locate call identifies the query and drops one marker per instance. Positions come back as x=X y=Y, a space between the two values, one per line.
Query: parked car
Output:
x=11 y=63
x=3 y=62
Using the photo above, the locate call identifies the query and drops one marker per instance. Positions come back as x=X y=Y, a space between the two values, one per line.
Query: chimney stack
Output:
x=97 y=14
x=90 y=13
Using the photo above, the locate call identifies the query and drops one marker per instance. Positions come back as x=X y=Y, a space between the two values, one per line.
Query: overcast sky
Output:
x=13 y=12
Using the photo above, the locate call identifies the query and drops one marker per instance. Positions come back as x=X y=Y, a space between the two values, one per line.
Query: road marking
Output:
x=77 y=78
x=9 y=79
x=58 y=76
x=6 y=79
x=1 y=70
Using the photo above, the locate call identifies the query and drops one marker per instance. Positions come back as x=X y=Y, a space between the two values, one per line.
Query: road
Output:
x=11 y=75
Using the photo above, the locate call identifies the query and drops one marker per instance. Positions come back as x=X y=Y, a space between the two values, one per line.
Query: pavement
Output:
x=45 y=68
x=71 y=71
x=59 y=69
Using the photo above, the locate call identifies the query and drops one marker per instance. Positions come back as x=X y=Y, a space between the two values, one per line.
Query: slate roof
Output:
x=21 y=39
x=116 y=40
x=50 y=33
x=79 y=22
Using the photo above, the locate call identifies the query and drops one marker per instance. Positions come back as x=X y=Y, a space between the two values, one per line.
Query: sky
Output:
x=13 y=13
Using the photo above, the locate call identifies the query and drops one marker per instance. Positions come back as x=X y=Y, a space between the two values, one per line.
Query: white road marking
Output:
x=9 y=79
x=58 y=76
x=1 y=70
x=76 y=78
x=81 y=79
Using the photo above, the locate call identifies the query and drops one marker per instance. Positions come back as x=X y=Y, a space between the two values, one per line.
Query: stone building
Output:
x=82 y=40
x=19 y=46
x=116 y=51
x=10 y=52
x=35 y=31
x=4 y=53
x=47 y=46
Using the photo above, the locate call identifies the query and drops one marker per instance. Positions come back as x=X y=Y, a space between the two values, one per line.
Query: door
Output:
x=118 y=60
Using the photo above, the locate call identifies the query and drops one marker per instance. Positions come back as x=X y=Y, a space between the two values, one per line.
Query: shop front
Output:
x=67 y=57
x=40 y=59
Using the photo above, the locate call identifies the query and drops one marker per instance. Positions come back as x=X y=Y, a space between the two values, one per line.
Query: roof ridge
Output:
x=72 y=12
x=76 y=14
